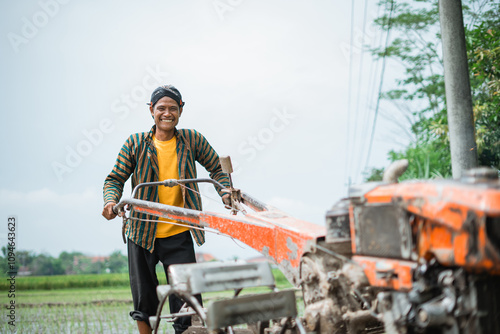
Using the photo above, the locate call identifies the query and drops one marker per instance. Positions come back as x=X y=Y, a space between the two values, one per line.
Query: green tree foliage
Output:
x=428 y=159
x=375 y=174
x=4 y=263
x=416 y=45
x=117 y=263
x=74 y=263
x=484 y=62
x=44 y=264
x=70 y=262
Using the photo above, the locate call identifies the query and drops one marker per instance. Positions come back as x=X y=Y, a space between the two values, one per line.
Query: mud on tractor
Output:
x=409 y=257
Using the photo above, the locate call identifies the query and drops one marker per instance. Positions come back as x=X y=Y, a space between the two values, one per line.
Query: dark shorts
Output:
x=143 y=281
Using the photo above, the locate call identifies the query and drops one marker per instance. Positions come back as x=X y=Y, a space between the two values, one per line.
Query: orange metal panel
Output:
x=257 y=236
x=430 y=199
x=451 y=220
x=271 y=232
x=387 y=273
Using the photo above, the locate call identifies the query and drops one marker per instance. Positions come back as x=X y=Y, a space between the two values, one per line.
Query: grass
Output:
x=67 y=282
x=59 y=304
x=31 y=298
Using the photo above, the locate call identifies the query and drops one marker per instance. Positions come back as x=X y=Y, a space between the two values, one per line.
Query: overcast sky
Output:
x=266 y=82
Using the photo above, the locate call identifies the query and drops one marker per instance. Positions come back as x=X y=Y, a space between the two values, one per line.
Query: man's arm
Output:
x=208 y=158
x=114 y=182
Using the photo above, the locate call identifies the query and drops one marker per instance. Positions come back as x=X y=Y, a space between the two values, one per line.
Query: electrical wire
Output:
x=389 y=25
x=360 y=76
x=349 y=96
x=374 y=70
x=210 y=198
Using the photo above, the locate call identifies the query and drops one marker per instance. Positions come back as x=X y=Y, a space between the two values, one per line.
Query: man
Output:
x=162 y=153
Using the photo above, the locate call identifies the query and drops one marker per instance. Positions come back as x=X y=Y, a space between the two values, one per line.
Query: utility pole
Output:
x=457 y=85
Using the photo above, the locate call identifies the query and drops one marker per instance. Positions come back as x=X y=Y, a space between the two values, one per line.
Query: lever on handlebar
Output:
x=227 y=167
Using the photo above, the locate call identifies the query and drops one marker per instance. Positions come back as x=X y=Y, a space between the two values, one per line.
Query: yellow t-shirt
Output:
x=168 y=169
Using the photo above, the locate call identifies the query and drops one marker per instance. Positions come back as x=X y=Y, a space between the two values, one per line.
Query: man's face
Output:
x=166 y=113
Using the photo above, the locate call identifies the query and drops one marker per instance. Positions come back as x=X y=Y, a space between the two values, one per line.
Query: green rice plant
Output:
x=87 y=303
x=75 y=319
x=281 y=281
x=67 y=282
x=92 y=310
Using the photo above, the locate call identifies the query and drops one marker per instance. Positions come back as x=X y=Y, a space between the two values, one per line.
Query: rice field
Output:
x=101 y=308
x=96 y=310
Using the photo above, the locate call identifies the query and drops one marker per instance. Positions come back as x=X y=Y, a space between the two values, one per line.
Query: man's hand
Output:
x=108 y=213
x=226 y=199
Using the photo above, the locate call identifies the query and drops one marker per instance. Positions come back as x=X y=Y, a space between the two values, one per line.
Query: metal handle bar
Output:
x=170 y=183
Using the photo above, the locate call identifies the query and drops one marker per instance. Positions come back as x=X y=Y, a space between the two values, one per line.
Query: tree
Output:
x=70 y=262
x=117 y=263
x=484 y=62
x=416 y=46
x=67 y=263
x=45 y=264
x=4 y=263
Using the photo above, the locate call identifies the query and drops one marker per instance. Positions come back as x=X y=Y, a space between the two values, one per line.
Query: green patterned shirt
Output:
x=138 y=158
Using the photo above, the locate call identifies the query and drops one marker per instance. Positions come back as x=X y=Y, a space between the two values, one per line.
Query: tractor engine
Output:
x=413 y=257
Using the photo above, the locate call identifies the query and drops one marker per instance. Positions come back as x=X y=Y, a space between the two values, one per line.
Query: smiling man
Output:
x=162 y=153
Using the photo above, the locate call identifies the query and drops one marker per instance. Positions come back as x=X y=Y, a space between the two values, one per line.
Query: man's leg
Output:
x=143 y=283
x=177 y=249
x=143 y=327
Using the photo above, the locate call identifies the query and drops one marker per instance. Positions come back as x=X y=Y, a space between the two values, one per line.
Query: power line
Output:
x=374 y=70
x=360 y=75
x=349 y=93
x=389 y=24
